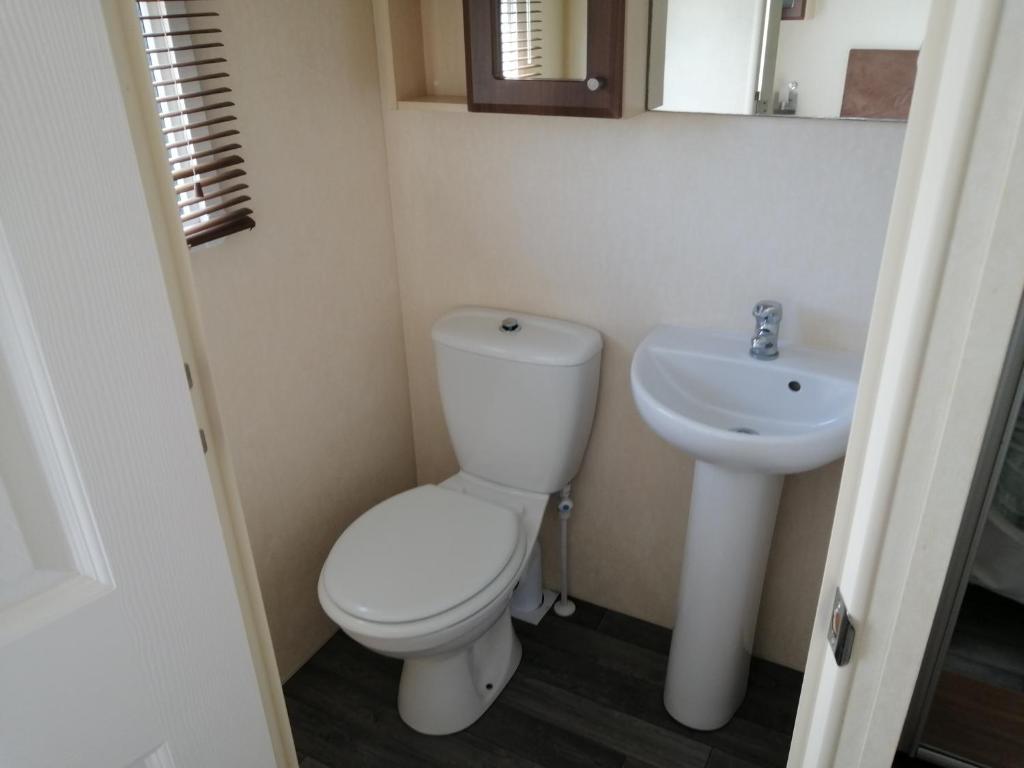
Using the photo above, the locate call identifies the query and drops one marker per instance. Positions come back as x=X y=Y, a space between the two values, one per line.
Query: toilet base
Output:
x=446 y=693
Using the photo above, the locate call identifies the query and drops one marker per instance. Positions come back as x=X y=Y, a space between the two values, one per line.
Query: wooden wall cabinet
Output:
x=444 y=55
x=597 y=92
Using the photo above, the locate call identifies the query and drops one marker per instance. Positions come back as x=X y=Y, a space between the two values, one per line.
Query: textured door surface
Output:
x=121 y=636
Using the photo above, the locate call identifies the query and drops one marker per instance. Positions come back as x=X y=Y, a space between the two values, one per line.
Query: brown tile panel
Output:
x=879 y=84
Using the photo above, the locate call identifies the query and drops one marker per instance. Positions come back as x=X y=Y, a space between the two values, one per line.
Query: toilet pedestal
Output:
x=444 y=694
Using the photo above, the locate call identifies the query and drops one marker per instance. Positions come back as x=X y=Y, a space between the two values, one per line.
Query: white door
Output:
x=950 y=286
x=121 y=635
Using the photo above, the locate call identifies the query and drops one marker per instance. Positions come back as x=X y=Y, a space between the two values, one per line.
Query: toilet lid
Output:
x=419 y=554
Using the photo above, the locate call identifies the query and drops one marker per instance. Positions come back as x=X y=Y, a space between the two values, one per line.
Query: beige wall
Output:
x=623 y=225
x=302 y=315
x=619 y=224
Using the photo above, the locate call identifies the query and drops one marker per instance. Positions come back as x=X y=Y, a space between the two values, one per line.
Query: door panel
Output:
x=51 y=560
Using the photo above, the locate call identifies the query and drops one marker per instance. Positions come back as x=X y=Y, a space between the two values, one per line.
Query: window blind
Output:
x=521 y=32
x=186 y=61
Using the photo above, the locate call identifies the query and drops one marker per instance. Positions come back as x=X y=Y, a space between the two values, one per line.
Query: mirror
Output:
x=802 y=58
x=543 y=39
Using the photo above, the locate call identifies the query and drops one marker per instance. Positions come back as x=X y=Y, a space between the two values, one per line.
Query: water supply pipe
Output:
x=565 y=606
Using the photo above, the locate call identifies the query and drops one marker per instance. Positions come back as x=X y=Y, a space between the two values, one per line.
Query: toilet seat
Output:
x=421 y=554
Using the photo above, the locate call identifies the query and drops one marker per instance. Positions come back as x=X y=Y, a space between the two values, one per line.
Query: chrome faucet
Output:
x=764 y=344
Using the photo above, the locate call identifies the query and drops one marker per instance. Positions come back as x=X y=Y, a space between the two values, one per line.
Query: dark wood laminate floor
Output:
x=588 y=692
x=978 y=709
x=977 y=721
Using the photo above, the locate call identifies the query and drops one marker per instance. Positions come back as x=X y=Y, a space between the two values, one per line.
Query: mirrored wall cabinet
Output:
x=795 y=58
x=585 y=58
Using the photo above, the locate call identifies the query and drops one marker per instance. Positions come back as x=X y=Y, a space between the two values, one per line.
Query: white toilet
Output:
x=427 y=576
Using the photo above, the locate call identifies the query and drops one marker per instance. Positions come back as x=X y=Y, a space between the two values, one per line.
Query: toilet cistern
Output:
x=764 y=344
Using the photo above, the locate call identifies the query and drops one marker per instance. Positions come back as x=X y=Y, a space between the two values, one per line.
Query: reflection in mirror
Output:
x=808 y=58
x=543 y=39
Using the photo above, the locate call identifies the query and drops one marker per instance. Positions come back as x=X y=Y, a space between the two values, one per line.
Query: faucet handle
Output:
x=768 y=311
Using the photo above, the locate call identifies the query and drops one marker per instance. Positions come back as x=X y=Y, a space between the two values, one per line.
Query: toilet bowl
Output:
x=441 y=602
x=427 y=576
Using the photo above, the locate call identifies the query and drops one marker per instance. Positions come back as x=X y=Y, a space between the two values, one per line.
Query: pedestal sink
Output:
x=748 y=422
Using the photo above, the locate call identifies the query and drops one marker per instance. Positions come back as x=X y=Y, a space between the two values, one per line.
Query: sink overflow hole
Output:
x=745 y=430
x=794 y=386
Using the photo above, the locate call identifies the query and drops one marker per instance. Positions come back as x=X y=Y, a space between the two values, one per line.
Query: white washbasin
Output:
x=748 y=422
x=702 y=392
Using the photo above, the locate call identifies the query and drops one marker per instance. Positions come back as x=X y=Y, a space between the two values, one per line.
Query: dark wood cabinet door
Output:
x=599 y=94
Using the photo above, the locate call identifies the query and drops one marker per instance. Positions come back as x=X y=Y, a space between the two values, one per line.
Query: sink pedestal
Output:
x=732 y=516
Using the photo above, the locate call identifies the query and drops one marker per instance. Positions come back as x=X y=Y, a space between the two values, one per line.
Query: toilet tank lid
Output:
x=517 y=336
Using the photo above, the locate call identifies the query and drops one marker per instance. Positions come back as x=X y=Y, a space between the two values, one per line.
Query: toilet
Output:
x=428 y=575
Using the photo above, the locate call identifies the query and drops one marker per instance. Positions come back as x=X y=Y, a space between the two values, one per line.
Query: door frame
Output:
x=175 y=260
x=950 y=284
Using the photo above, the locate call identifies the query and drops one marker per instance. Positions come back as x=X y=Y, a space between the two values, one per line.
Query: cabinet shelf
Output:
x=435 y=103
x=421 y=54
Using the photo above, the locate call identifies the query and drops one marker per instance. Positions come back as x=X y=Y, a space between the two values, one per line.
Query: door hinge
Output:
x=840 y=631
x=202 y=439
x=188 y=376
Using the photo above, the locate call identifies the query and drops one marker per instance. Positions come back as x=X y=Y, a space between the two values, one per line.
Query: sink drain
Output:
x=745 y=430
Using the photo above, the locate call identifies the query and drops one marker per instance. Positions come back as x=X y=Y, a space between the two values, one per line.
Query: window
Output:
x=520 y=39
x=186 y=63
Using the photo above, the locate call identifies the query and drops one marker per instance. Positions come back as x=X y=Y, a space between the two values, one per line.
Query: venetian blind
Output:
x=521 y=32
x=187 y=61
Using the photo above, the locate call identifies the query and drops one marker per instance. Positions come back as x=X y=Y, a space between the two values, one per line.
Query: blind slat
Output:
x=201 y=139
x=183 y=64
x=194 y=110
x=193 y=95
x=207 y=153
x=172 y=16
x=215 y=208
x=180 y=48
x=234 y=173
x=185 y=80
x=201 y=168
x=217 y=221
x=180 y=32
x=200 y=124
x=212 y=195
x=223 y=231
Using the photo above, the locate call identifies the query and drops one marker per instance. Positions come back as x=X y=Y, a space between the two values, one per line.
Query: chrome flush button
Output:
x=509 y=325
